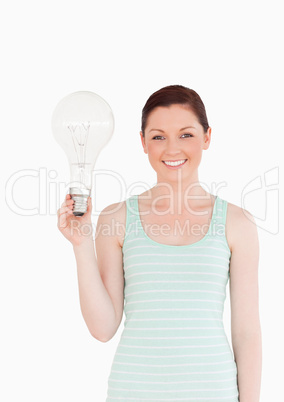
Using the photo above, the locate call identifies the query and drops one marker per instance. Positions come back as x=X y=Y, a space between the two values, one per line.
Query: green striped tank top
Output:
x=173 y=346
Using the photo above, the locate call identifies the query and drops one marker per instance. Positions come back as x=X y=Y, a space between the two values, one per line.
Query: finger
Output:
x=64 y=210
x=67 y=197
x=67 y=203
x=62 y=222
x=63 y=217
x=89 y=204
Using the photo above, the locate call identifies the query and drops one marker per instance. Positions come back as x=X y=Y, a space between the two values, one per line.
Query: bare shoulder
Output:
x=240 y=225
x=244 y=293
x=113 y=218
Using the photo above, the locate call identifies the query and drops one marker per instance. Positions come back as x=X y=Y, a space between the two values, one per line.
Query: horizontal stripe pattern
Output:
x=173 y=346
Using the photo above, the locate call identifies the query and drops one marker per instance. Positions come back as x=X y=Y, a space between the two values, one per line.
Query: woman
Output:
x=177 y=248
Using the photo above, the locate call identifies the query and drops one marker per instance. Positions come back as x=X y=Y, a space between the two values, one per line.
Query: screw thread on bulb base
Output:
x=80 y=197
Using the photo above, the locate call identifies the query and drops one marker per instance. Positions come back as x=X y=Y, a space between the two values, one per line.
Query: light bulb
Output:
x=82 y=123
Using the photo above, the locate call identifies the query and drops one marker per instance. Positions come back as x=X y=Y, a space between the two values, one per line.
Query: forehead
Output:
x=174 y=116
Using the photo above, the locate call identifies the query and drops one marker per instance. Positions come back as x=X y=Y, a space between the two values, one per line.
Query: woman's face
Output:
x=174 y=134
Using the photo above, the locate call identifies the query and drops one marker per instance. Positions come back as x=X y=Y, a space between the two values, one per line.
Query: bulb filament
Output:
x=80 y=133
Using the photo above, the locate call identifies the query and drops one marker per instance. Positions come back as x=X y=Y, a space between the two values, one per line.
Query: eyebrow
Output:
x=156 y=129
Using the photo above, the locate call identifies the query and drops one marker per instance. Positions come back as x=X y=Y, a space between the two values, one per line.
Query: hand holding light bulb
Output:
x=82 y=123
x=76 y=229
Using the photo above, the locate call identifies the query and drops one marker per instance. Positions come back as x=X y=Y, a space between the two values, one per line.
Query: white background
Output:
x=231 y=53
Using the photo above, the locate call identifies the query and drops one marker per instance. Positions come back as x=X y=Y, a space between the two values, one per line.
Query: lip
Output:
x=174 y=160
x=175 y=167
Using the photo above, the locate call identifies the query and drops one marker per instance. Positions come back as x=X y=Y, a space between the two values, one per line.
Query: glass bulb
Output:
x=82 y=123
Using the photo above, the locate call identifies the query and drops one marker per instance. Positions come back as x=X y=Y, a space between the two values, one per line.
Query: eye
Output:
x=160 y=137
x=157 y=136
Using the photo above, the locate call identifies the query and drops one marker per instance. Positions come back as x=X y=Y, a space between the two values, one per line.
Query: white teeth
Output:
x=175 y=163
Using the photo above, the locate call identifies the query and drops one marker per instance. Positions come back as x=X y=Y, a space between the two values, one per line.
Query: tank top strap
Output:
x=220 y=211
x=220 y=220
x=132 y=215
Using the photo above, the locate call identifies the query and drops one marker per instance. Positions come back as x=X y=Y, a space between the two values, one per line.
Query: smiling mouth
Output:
x=175 y=163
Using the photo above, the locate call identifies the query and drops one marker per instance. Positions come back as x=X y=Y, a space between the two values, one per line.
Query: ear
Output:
x=207 y=138
x=143 y=142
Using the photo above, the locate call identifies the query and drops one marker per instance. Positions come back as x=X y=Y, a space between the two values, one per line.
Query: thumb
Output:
x=89 y=204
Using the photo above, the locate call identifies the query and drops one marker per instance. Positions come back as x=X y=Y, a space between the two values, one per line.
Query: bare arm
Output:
x=96 y=305
x=245 y=324
x=97 y=295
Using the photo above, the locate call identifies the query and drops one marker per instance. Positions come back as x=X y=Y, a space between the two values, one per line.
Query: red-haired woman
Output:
x=167 y=269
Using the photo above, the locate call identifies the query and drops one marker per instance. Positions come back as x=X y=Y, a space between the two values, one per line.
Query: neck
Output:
x=181 y=189
x=179 y=198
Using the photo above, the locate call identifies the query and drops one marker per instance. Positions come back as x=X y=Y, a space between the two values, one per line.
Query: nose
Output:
x=173 y=149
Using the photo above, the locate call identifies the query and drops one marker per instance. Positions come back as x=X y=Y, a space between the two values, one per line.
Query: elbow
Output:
x=100 y=339
x=106 y=339
x=99 y=334
x=252 y=338
x=247 y=333
x=247 y=330
x=103 y=340
x=103 y=336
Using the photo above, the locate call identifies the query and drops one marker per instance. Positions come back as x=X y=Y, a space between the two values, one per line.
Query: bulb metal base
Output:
x=80 y=197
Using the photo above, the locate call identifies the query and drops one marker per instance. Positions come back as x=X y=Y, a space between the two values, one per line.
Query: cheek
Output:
x=195 y=146
x=153 y=150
